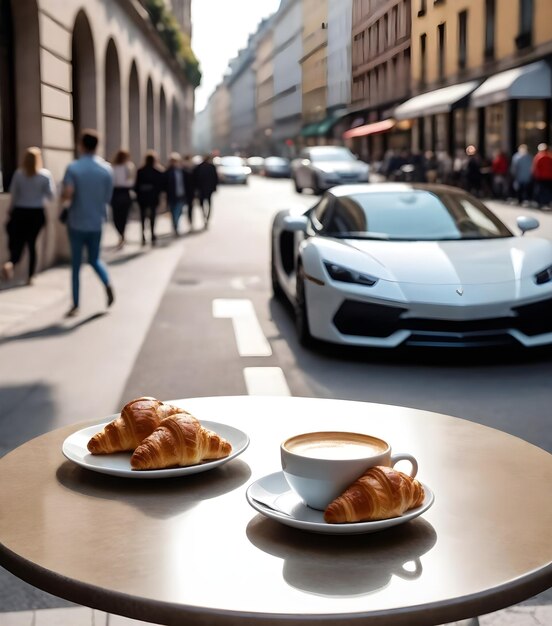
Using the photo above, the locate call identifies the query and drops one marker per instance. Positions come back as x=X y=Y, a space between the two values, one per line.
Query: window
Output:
x=525 y=16
x=441 y=50
x=423 y=8
x=462 y=39
x=525 y=37
x=423 y=58
x=490 y=20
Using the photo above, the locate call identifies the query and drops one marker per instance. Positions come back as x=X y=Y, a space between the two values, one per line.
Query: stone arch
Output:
x=83 y=69
x=175 y=121
x=26 y=63
x=150 y=120
x=112 y=103
x=134 y=118
x=163 y=126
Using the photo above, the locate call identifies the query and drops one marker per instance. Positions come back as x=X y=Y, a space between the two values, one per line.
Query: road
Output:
x=188 y=352
x=197 y=318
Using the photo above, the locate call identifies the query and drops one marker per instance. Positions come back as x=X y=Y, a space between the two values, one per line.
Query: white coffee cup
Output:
x=319 y=466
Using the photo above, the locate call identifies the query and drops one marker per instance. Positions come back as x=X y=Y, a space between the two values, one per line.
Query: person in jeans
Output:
x=87 y=188
x=175 y=188
x=30 y=187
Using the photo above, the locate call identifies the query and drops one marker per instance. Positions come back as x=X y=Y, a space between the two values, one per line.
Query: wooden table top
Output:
x=191 y=548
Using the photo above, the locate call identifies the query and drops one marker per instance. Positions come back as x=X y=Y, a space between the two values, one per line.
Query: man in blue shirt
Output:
x=87 y=187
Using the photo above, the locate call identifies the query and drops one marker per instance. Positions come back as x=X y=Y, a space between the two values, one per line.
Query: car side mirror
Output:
x=527 y=223
x=295 y=223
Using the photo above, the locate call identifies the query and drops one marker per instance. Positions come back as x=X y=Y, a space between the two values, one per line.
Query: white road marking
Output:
x=250 y=338
x=241 y=283
x=265 y=381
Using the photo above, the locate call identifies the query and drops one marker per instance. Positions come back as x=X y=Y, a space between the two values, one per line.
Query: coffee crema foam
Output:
x=335 y=447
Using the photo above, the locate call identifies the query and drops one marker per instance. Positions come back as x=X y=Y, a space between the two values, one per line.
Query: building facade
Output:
x=264 y=76
x=481 y=69
x=314 y=72
x=340 y=17
x=287 y=103
x=219 y=115
x=241 y=87
x=76 y=64
x=381 y=40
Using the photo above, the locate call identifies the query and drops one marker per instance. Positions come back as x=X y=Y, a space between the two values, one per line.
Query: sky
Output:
x=219 y=29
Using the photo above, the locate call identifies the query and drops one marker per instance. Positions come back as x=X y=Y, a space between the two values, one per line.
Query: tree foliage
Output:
x=178 y=43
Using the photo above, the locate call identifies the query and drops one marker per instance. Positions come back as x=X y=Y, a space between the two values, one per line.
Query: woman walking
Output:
x=30 y=187
x=149 y=185
x=121 y=201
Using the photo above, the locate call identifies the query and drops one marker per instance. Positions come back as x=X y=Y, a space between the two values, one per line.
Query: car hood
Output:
x=329 y=167
x=453 y=262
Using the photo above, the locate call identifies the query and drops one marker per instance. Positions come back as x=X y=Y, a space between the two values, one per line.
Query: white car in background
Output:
x=256 y=164
x=393 y=264
x=322 y=167
x=233 y=169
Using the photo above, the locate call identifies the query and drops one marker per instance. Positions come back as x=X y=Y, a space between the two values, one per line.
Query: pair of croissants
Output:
x=380 y=493
x=159 y=436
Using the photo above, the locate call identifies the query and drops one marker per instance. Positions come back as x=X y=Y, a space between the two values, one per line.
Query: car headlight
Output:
x=544 y=277
x=346 y=275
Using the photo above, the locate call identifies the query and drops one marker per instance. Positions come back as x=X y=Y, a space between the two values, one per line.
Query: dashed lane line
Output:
x=265 y=381
x=250 y=338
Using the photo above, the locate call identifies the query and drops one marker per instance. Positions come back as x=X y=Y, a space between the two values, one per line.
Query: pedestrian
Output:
x=87 y=190
x=542 y=175
x=148 y=186
x=121 y=201
x=175 y=188
x=499 y=169
x=521 y=171
x=206 y=182
x=472 y=171
x=30 y=187
x=189 y=186
x=431 y=167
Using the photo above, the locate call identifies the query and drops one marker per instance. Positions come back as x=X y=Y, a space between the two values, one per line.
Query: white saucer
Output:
x=295 y=513
x=74 y=448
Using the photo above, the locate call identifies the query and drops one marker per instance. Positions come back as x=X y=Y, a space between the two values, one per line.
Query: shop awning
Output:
x=309 y=130
x=438 y=101
x=319 y=129
x=527 y=82
x=369 y=129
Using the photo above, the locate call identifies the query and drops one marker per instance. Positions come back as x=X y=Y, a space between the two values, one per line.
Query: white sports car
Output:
x=394 y=264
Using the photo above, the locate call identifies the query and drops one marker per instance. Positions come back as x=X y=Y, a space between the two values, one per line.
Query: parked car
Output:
x=322 y=167
x=256 y=164
x=232 y=169
x=392 y=264
x=277 y=167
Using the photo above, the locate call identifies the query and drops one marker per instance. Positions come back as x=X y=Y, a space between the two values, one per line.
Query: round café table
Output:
x=191 y=550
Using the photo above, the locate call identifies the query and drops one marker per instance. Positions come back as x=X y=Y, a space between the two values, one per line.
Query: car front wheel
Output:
x=301 y=317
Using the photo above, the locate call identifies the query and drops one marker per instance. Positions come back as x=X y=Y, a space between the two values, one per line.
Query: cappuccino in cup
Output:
x=319 y=466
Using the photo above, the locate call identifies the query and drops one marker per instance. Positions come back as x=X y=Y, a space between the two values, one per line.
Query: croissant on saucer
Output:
x=180 y=440
x=138 y=419
x=380 y=493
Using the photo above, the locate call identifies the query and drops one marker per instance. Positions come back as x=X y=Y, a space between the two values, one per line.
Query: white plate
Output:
x=74 y=448
x=276 y=490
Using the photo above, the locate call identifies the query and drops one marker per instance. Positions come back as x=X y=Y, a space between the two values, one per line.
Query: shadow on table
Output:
x=344 y=565
x=156 y=498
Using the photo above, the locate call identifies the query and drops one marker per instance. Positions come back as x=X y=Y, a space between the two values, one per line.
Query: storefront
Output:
x=439 y=119
x=516 y=105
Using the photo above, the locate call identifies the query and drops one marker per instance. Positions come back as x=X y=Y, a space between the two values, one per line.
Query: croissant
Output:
x=180 y=440
x=380 y=493
x=138 y=419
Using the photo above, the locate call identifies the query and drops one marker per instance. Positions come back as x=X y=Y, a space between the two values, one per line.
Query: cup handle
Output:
x=395 y=458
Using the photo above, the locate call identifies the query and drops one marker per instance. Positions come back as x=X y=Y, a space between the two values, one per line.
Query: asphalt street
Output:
x=174 y=333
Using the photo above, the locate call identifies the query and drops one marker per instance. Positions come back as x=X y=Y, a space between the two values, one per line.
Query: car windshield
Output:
x=331 y=154
x=275 y=161
x=416 y=215
x=232 y=161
